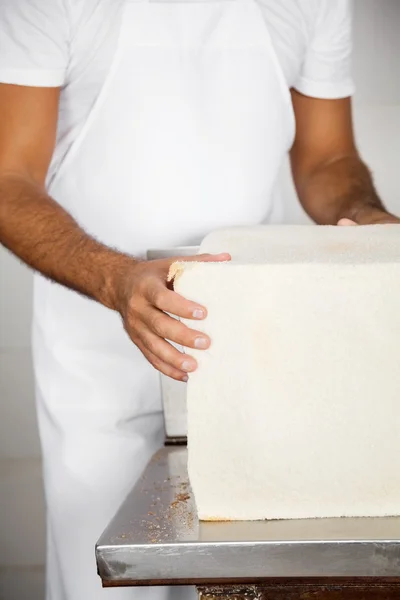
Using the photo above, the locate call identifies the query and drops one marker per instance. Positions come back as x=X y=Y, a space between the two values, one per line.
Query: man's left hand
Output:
x=374 y=217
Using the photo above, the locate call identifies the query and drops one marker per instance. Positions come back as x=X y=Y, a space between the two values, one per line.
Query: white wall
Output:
x=377 y=118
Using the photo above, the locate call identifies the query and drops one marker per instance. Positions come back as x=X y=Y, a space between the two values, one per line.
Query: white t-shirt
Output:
x=71 y=43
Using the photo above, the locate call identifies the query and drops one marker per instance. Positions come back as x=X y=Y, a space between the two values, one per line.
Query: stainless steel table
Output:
x=156 y=539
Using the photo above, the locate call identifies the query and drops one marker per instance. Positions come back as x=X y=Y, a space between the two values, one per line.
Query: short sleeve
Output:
x=34 y=45
x=326 y=70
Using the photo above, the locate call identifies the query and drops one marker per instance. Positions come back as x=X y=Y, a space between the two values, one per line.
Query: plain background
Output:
x=22 y=521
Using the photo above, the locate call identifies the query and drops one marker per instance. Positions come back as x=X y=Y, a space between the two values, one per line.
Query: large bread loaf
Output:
x=294 y=411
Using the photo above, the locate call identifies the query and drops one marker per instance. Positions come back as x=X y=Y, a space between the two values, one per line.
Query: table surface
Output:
x=156 y=538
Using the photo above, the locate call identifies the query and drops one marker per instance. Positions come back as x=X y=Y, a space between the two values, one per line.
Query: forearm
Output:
x=44 y=236
x=342 y=188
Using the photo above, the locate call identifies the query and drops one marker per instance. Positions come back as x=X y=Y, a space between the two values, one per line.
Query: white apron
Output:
x=188 y=135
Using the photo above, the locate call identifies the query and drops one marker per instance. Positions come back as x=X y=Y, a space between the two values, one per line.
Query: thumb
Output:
x=346 y=223
x=222 y=257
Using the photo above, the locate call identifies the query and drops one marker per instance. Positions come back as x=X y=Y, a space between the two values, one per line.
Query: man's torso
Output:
x=96 y=25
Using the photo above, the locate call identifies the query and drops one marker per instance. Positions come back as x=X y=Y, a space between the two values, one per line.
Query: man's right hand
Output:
x=42 y=234
x=143 y=299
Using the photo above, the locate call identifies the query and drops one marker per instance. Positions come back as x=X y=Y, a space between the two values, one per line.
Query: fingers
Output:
x=167 y=353
x=162 y=366
x=371 y=216
x=163 y=298
x=346 y=223
x=168 y=328
x=149 y=327
x=171 y=302
x=222 y=257
x=162 y=352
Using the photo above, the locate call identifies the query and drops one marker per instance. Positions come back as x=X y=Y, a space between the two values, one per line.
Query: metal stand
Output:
x=329 y=589
x=157 y=539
